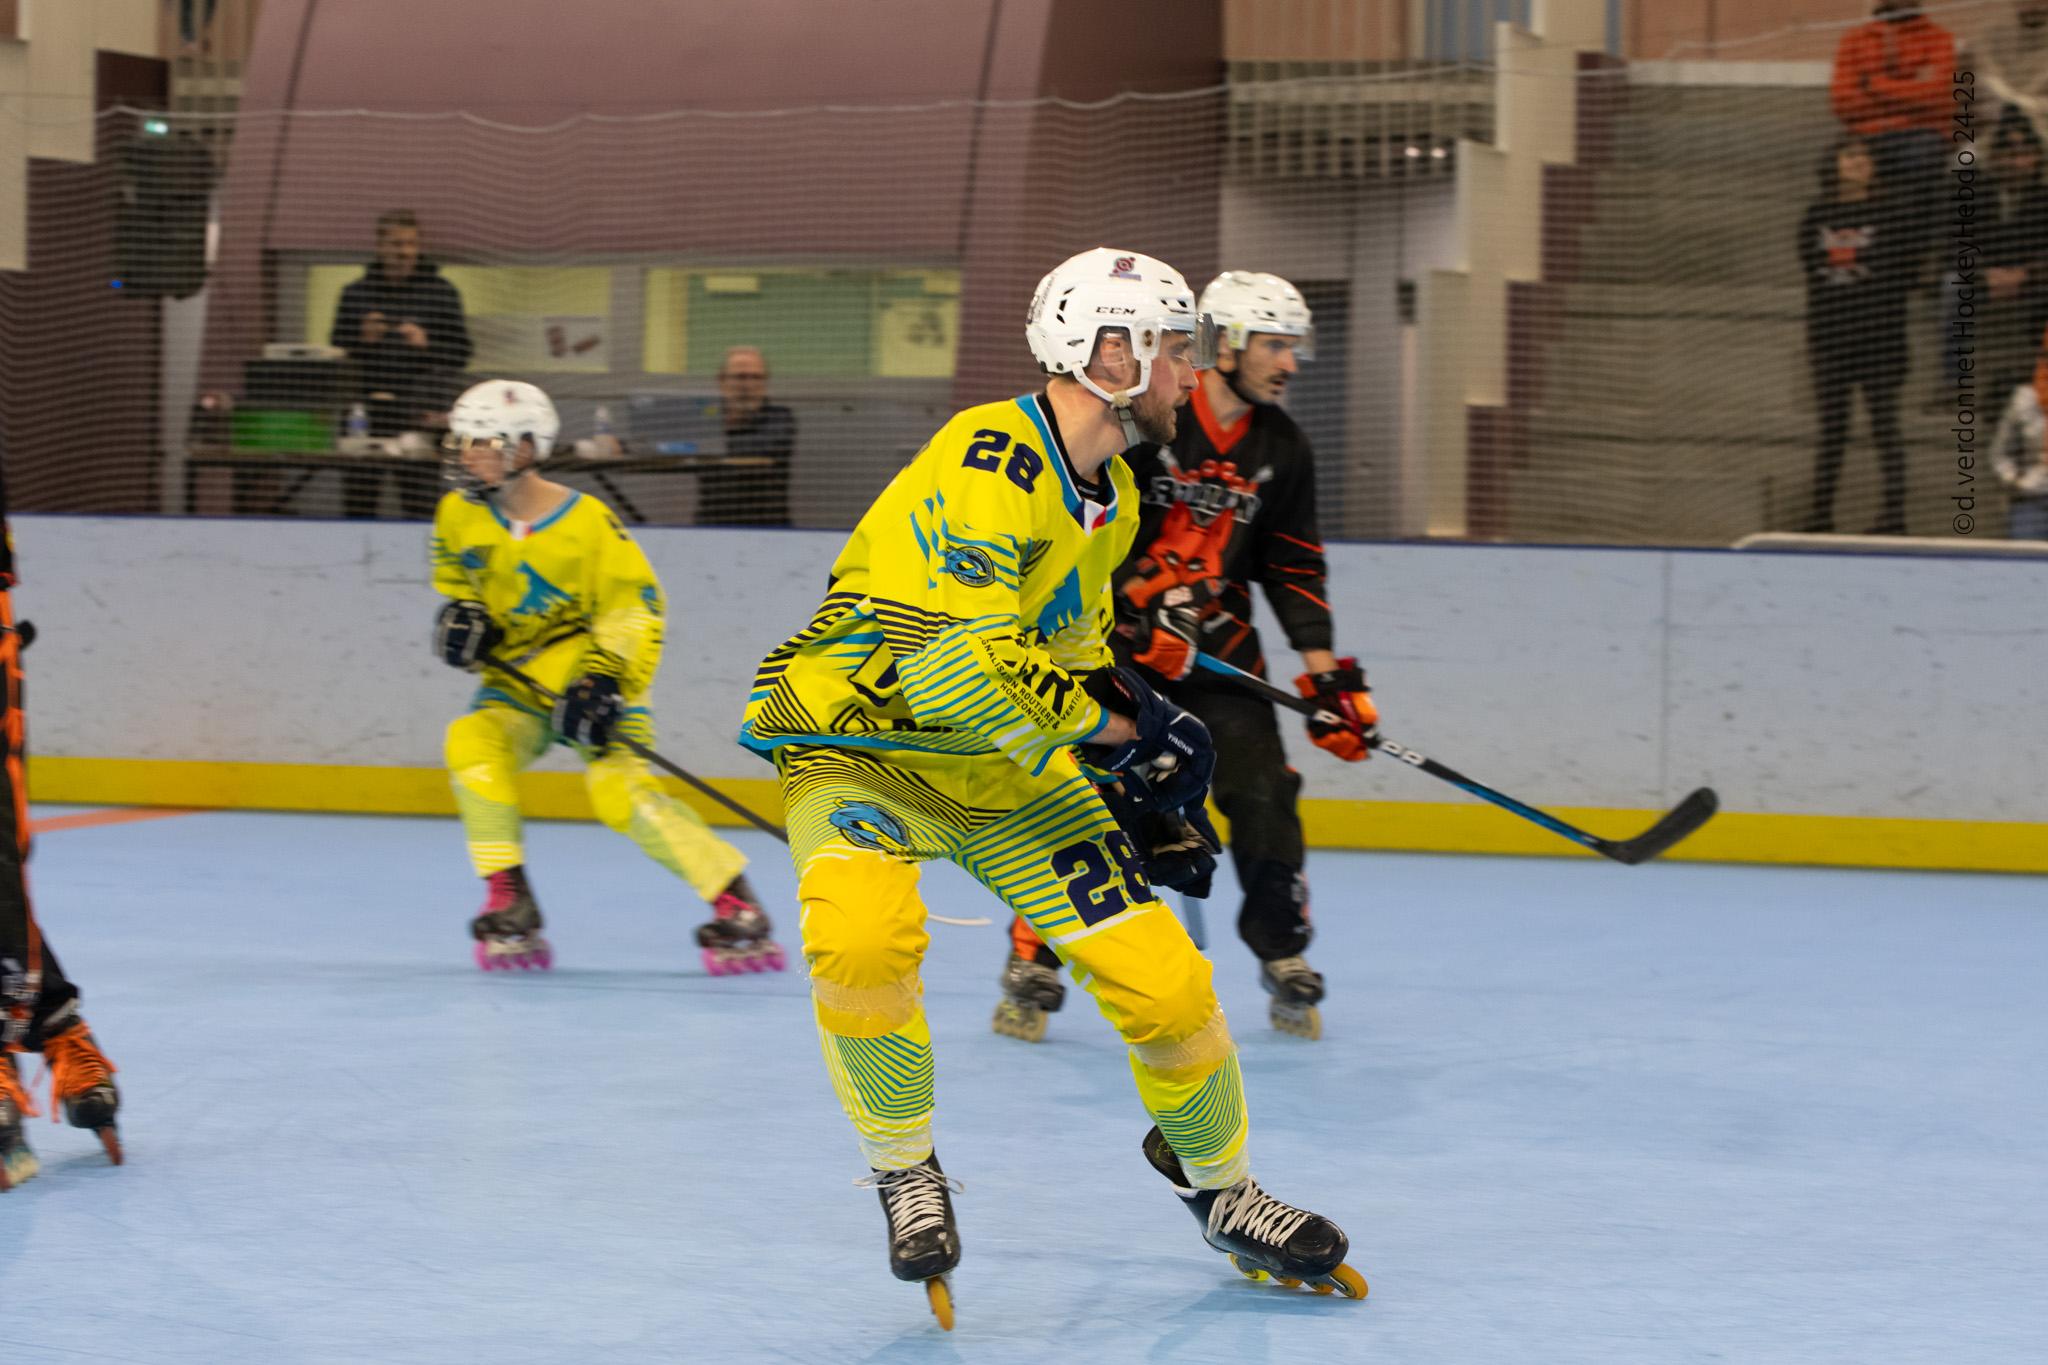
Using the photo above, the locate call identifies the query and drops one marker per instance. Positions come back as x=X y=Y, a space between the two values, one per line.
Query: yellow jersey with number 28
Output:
x=964 y=605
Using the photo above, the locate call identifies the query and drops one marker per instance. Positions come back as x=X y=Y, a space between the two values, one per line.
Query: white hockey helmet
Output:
x=1107 y=289
x=1248 y=301
x=507 y=411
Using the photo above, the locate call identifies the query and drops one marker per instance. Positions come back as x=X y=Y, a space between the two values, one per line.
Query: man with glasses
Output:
x=757 y=431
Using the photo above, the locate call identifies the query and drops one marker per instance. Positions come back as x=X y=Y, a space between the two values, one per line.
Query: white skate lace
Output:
x=1247 y=1208
x=916 y=1195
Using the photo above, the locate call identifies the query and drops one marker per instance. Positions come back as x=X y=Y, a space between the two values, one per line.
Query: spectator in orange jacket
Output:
x=1892 y=84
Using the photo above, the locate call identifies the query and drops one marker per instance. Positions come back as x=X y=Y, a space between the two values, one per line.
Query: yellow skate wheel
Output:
x=1012 y=1022
x=942 y=1302
x=1303 y=1021
x=1286 y=1282
x=1250 y=1272
x=1323 y=1287
x=1347 y=1282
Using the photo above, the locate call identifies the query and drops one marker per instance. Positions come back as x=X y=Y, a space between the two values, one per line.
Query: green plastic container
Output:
x=278 y=431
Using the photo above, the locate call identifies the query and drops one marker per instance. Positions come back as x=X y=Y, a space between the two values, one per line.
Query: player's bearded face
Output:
x=1265 y=367
x=1156 y=410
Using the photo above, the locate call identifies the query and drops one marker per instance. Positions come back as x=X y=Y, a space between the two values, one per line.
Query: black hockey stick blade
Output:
x=1675 y=824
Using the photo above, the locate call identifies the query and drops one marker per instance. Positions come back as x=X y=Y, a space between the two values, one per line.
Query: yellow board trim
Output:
x=1389 y=826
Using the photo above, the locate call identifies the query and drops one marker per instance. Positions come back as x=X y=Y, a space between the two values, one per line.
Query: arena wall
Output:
x=1855 y=710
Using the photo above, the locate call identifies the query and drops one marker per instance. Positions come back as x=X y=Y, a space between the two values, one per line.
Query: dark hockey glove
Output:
x=464 y=632
x=1177 y=847
x=1172 y=751
x=588 y=711
x=1343 y=693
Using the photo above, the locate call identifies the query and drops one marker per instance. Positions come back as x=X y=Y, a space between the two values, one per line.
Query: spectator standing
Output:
x=2013 y=233
x=1893 y=86
x=754 y=428
x=2019 y=453
x=1857 y=255
x=402 y=324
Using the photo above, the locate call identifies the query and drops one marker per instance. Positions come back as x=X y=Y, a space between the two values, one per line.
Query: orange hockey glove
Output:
x=1342 y=692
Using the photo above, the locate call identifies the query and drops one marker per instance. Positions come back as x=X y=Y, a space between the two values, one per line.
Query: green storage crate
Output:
x=277 y=431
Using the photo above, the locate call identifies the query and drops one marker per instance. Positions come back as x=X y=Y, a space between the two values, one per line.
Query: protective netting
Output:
x=879 y=259
x=1657 y=380
x=1715 y=329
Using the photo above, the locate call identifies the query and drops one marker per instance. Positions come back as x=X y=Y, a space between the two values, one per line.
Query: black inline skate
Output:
x=507 y=933
x=17 y=1161
x=736 y=938
x=1032 y=990
x=924 y=1241
x=1296 y=989
x=1264 y=1238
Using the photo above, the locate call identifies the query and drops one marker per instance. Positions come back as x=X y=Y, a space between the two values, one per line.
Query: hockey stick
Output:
x=1682 y=819
x=758 y=822
x=1191 y=918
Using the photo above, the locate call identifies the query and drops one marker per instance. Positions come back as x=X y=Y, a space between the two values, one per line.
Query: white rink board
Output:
x=1908 y=687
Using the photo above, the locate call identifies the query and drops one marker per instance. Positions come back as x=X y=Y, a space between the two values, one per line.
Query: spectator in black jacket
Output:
x=403 y=326
x=1856 y=249
x=2012 y=230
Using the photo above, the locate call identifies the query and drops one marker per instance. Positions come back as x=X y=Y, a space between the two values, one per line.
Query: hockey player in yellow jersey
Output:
x=548 y=580
x=954 y=697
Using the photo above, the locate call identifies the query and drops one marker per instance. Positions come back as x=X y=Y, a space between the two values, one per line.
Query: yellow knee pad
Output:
x=864 y=936
x=1151 y=983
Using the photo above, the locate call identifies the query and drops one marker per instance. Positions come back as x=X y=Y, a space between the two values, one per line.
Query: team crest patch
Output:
x=970 y=565
x=869 y=826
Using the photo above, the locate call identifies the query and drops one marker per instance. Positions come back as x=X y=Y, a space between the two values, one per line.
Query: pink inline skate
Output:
x=507 y=933
x=737 y=938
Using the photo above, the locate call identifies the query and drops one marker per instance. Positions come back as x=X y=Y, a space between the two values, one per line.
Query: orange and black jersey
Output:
x=1262 y=470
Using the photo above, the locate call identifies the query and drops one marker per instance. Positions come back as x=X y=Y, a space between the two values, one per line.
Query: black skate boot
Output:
x=1262 y=1236
x=736 y=938
x=507 y=933
x=1032 y=990
x=82 y=1080
x=924 y=1241
x=1296 y=989
x=17 y=1162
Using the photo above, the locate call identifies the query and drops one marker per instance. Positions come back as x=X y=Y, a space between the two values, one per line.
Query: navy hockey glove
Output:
x=1172 y=752
x=588 y=710
x=1176 y=848
x=464 y=632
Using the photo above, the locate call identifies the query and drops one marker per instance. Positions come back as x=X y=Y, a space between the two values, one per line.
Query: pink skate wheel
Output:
x=775 y=960
x=544 y=959
x=483 y=957
x=754 y=963
x=712 y=966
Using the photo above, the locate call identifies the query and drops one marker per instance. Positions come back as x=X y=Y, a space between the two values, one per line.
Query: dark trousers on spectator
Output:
x=1832 y=385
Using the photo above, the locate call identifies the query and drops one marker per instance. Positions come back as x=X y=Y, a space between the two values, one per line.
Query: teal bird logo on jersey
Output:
x=970 y=565
x=542 y=597
x=1064 y=609
x=869 y=827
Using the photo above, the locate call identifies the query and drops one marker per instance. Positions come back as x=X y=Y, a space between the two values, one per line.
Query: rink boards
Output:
x=1864 y=710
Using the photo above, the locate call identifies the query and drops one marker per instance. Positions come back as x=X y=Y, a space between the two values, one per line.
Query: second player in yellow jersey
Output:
x=547 y=580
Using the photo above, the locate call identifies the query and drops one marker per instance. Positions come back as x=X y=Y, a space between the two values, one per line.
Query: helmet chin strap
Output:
x=1120 y=403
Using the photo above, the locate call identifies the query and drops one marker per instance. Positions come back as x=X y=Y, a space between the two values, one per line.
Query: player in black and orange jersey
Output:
x=1229 y=502
x=38 y=1003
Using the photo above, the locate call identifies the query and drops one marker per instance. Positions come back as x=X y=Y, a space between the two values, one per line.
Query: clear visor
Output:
x=1200 y=328
x=1300 y=340
x=455 y=455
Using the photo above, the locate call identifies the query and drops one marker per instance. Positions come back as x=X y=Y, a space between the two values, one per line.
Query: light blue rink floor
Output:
x=1568 y=1111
